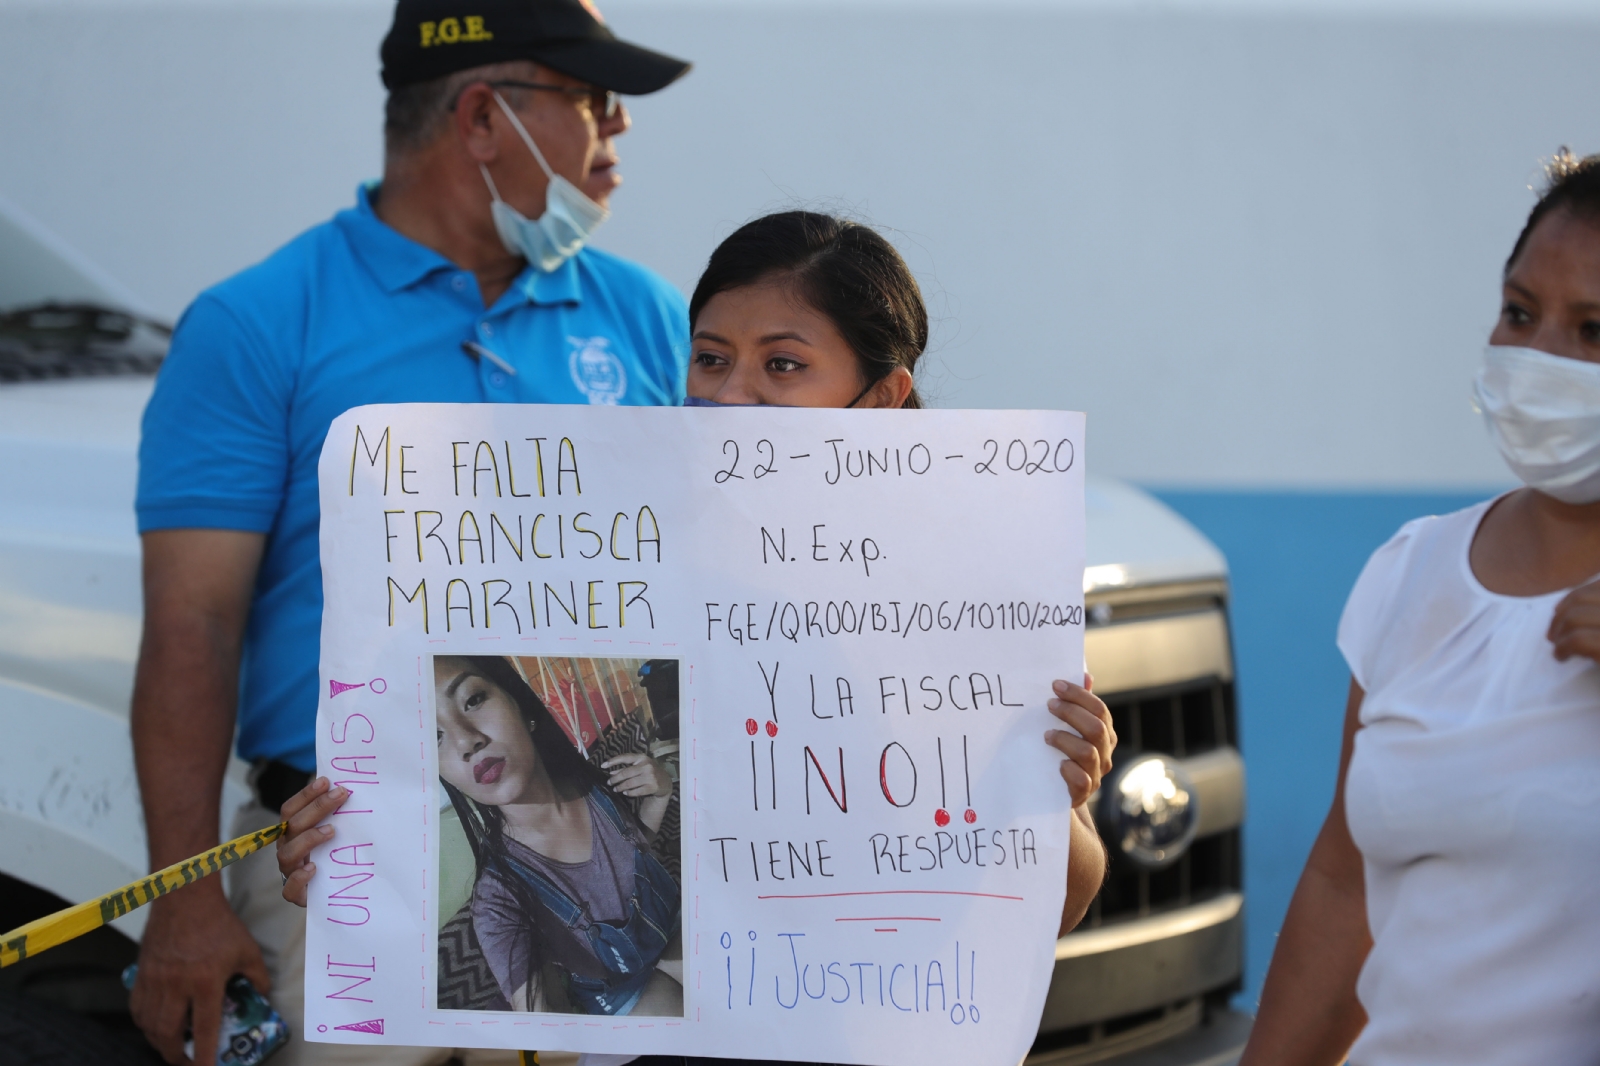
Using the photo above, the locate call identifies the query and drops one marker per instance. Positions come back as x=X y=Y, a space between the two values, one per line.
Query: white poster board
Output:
x=836 y=629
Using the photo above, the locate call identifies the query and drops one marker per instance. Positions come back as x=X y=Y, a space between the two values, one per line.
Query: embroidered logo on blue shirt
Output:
x=597 y=371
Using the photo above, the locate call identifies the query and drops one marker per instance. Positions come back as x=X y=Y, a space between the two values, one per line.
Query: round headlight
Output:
x=1150 y=810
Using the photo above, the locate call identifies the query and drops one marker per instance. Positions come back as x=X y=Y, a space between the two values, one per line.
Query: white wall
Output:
x=1259 y=244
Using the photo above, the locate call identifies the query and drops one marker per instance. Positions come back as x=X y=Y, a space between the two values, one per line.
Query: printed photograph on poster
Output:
x=559 y=863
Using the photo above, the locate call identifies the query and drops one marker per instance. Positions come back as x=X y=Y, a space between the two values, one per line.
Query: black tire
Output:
x=35 y=1033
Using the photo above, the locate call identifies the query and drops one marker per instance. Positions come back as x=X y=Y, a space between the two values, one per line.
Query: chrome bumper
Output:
x=1219 y=1042
x=1145 y=963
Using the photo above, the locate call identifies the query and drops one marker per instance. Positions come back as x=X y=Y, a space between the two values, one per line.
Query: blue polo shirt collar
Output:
x=398 y=262
x=559 y=286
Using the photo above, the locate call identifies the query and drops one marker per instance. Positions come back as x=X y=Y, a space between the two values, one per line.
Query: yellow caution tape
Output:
x=62 y=926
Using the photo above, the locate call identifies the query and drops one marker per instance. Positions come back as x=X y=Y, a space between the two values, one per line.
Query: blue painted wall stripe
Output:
x=1293 y=558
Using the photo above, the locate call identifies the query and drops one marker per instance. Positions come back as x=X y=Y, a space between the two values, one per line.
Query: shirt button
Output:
x=497 y=379
x=458 y=282
x=486 y=329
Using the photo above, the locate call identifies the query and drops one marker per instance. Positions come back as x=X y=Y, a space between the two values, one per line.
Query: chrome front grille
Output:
x=1185 y=721
x=1182 y=720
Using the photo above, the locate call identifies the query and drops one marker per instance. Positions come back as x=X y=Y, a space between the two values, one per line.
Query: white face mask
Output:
x=569 y=216
x=1543 y=412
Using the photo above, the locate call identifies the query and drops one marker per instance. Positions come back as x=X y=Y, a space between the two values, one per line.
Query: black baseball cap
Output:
x=433 y=38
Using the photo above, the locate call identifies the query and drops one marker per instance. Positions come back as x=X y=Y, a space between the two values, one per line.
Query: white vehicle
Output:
x=1145 y=981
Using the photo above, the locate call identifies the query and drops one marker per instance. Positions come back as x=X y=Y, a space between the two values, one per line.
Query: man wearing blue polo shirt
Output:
x=464 y=276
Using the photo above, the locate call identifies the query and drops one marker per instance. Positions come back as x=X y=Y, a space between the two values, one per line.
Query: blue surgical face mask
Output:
x=569 y=218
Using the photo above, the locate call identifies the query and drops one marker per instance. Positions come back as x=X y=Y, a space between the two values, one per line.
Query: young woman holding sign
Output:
x=800 y=309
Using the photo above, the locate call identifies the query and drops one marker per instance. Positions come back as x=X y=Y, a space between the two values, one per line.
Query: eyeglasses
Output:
x=603 y=103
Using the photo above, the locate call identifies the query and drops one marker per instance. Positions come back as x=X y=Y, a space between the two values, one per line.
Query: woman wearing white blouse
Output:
x=1447 y=912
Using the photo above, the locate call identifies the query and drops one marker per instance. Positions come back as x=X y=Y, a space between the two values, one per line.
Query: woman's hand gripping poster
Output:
x=688 y=731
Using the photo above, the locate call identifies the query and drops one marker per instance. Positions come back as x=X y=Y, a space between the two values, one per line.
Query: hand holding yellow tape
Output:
x=62 y=926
